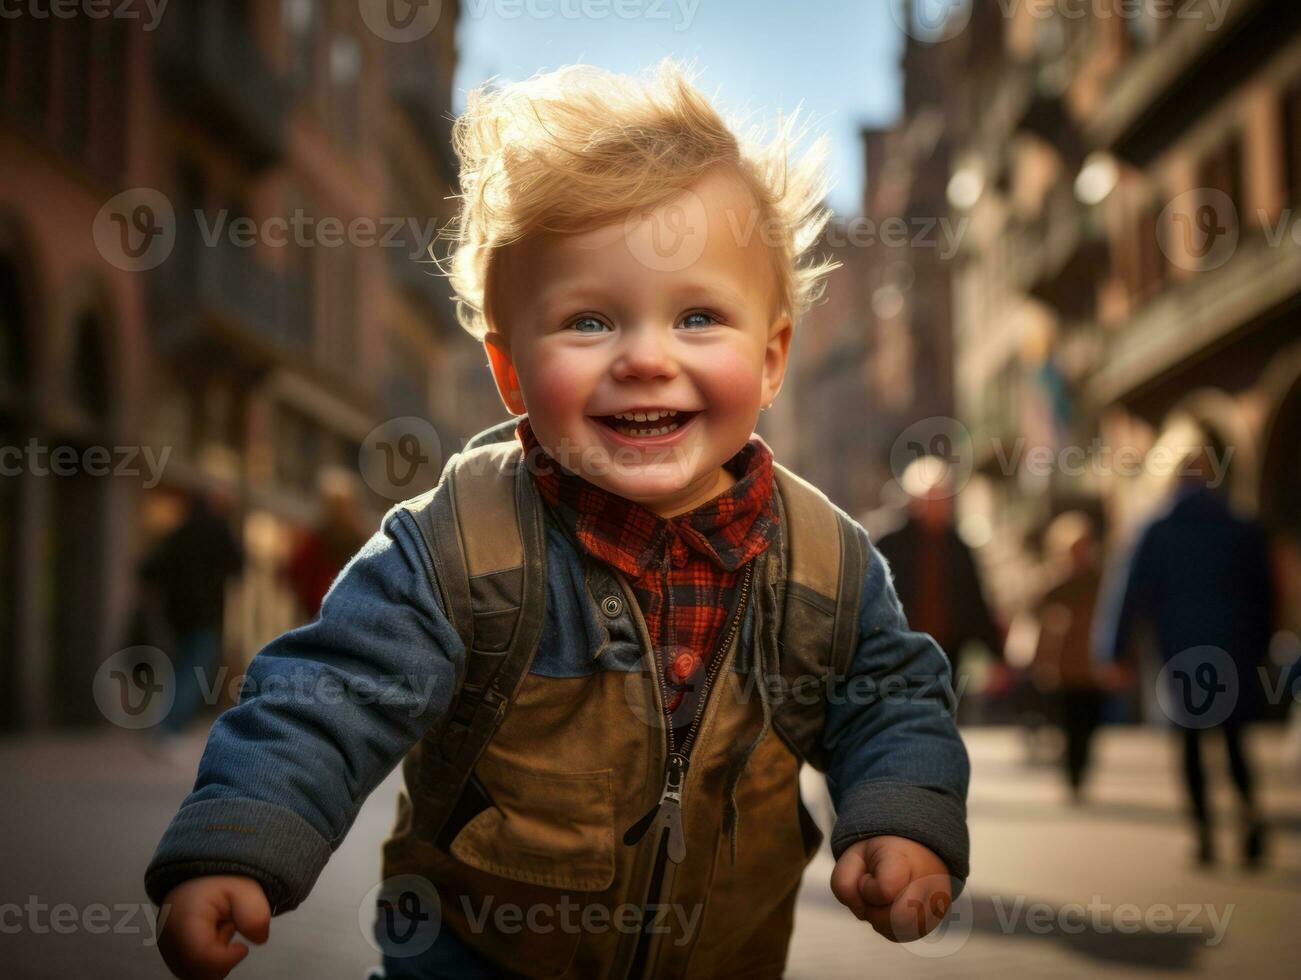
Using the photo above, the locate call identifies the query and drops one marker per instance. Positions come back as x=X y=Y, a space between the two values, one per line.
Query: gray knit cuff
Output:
x=929 y=816
x=240 y=836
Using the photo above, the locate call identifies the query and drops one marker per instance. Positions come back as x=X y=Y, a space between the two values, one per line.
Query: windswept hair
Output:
x=580 y=147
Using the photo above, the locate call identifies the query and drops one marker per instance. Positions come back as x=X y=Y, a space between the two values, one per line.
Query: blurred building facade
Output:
x=264 y=348
x=1131 y=179
x=875 y=356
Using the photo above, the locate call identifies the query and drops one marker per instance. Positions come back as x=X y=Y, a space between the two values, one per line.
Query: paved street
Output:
x=1048 y=892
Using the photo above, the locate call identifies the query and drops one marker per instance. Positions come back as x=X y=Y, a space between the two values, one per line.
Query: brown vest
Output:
x=514 y=808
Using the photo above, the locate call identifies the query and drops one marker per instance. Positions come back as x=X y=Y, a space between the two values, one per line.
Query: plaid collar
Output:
x=728 y=530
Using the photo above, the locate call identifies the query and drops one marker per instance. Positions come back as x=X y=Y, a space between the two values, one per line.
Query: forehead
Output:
x=711 y=235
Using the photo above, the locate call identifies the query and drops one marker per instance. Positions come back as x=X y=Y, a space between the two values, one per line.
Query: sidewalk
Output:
x=1049 y=881
x=86 y=811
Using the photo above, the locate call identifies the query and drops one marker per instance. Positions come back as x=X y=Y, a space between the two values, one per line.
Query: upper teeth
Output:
x=650 y=416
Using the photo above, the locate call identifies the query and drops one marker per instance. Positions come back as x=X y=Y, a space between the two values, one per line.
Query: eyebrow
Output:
x=555 y=296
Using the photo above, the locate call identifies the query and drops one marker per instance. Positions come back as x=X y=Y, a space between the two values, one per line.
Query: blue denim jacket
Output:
x=329 y=709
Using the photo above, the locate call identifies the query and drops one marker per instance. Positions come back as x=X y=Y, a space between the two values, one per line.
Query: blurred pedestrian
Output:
x=1062 y=668
x=323 y=550
x=187 y=574
x=934 y=571
x=1199 y=575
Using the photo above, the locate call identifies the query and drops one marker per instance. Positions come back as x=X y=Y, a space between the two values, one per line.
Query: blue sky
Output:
x=839 y=57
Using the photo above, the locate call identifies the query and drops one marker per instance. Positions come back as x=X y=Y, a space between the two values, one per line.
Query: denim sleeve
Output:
x=897 y=765
x=325 y=713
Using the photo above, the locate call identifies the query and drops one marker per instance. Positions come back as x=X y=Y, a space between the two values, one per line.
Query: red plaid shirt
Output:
x=685 y=570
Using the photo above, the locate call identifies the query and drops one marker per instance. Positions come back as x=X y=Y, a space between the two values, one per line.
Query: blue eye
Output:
x=587 y=319
x=708 y=317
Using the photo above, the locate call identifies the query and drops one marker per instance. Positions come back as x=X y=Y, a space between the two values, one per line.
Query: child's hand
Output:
x=203 y=916
x=898 y=885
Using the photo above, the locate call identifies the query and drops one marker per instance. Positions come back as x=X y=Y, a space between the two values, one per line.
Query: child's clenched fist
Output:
x=203 y=915
x=898 y=885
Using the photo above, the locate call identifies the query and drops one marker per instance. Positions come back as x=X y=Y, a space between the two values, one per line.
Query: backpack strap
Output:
x=483 y=525
x=822 y=561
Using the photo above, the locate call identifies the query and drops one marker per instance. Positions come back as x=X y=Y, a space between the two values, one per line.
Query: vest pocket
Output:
x=554 y=829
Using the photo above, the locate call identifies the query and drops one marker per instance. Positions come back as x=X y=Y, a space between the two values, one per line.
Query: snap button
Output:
x=612 y=605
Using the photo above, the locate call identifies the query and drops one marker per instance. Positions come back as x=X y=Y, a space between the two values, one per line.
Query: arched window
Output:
x=87 y=381
x=13 y=353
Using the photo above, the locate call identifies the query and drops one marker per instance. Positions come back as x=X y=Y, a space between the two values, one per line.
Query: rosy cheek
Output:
x=731 y=381
x=558 y=386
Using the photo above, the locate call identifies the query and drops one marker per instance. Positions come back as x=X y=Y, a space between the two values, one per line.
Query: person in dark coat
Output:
x=187 y=573
x=1199 y=576
x=934 y=571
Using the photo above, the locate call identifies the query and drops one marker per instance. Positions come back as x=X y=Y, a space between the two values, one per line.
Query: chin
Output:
x=646 y=488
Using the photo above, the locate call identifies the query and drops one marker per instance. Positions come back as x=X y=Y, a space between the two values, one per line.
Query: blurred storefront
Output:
x=256 y=363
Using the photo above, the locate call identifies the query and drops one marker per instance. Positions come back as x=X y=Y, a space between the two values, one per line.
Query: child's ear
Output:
x=503 y=372
x=775 y=356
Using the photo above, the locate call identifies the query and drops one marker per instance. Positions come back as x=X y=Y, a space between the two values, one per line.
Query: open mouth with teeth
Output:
x=655 y=422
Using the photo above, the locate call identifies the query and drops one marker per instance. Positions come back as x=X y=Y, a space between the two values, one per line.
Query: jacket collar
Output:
x=728 y=530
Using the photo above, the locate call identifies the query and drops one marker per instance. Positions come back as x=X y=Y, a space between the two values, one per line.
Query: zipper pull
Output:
x=667 y=813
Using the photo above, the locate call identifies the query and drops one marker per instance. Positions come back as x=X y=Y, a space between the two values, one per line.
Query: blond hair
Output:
x=580 y=147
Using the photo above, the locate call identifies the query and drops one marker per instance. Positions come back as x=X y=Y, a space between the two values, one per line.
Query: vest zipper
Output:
x=665 y=816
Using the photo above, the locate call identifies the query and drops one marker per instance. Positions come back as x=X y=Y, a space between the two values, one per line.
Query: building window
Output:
x=345 y=89
x=301 y=20
x=1140 y=262
x=297 y=440
x=337 y=347
x=12 y=354
x=30 y=42
x=407 y=389
x=1292 y=139
x=87 y=385
x=78 y=43
x=1222 y=170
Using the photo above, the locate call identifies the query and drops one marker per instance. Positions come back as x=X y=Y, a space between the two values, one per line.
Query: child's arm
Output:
x=898 y=769
x=326 y=711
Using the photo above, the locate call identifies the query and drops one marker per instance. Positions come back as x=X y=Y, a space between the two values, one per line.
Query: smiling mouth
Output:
x=666 y=423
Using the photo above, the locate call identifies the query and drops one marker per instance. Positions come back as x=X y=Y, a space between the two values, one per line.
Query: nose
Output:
x=644 y=354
